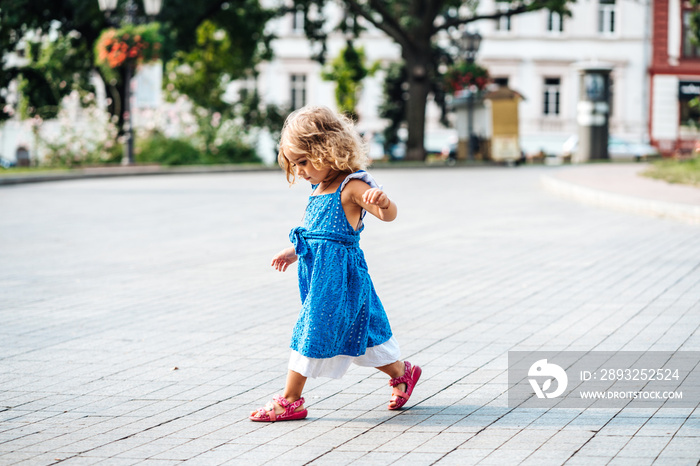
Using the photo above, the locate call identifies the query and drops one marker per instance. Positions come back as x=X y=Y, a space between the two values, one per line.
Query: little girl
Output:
x=342 y=320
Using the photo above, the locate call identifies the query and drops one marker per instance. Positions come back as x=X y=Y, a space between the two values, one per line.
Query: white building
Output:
x=536 y=54
x=293 y=79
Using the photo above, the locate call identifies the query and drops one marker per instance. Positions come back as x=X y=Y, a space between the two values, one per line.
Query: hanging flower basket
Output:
x=131 y=44
x=463 y=75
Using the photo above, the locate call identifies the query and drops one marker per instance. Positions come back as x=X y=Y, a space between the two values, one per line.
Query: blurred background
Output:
x=172 y=82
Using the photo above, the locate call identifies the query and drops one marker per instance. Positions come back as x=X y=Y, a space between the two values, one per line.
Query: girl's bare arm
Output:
x=373 y=200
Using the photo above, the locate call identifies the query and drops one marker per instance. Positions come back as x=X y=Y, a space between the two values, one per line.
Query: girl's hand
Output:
x=376 y=196
x=284 y=259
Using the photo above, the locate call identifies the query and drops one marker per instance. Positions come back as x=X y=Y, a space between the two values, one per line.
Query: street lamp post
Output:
x=470 y=45
x=152 y=8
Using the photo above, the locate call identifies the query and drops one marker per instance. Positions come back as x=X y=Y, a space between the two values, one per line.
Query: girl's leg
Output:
x=395 y=370
x=294 y=387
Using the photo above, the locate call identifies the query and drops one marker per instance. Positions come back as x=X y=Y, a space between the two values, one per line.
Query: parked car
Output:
x=397 y=151
x=376 y=144
x=5 y=163
x=450 y=152
x=440 y=142
x=618 y=149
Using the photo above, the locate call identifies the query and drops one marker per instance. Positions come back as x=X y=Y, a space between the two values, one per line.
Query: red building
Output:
x=674 y=122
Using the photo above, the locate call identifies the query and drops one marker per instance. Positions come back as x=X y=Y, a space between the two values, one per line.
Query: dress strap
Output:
x=367 y=178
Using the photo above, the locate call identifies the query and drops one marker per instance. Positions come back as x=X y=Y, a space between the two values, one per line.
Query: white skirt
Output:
x=337 y=366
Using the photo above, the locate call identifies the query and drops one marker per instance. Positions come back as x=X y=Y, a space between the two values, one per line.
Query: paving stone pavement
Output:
x=108 y=285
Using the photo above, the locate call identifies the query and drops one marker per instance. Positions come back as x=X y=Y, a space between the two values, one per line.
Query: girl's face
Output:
x=306 y=170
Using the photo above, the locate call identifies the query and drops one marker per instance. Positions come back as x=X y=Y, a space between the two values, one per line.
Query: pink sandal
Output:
x=267 y=413
x=410 y=378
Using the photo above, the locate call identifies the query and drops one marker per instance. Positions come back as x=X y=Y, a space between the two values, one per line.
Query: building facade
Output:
x=539 y=54
x=293 y=78
x=536 y=54
x=675 y=79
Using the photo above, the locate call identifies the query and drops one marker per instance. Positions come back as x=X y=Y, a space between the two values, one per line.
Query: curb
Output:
x=683 y=212
x=147 y=170
x=110 y=172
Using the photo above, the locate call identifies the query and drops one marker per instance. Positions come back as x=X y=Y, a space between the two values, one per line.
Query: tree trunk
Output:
x=419 y=87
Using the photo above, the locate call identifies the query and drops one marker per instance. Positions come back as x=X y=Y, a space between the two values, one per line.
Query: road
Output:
x=140 y=322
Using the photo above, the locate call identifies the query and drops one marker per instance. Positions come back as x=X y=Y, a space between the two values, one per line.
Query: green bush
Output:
x=159 y=149
x=166 y=151
x=68 y=156
x=76 y=145
x=232 y=152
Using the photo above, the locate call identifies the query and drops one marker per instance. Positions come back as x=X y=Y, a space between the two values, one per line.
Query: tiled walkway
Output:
x=140 y=322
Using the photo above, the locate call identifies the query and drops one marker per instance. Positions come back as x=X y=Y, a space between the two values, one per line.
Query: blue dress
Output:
x=341 y=313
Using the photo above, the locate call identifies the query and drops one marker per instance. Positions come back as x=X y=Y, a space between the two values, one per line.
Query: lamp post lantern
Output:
x=108 y=6
x=470 y=42
x=152 y=8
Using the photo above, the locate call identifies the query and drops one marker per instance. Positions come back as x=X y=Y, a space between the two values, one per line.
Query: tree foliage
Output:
x=395 y=97
x=348 y=70
x=78 y=23
x=47 y=70
x=203 y=73
x=52 y=70
x=414 y=25
x=256 y=114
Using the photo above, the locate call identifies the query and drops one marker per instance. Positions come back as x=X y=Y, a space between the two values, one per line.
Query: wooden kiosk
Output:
x=496 y=125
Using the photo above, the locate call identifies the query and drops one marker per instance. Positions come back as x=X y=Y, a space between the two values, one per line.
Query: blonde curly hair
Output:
x=325 y=138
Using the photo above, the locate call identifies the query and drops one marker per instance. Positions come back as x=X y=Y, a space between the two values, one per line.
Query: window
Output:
x=501 y=81
x=555 y=22
x=551 y=96
x=690 y=114
x=606 y=16
x=688 y=91
x=298 y=87
x=297 y=21
x=689 y=49
x=503 y=23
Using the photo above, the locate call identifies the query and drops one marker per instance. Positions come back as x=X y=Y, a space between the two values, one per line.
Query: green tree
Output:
x=51 y=71
x=80 y=22
x=46 y=70
x=348 y=70
x=203 y=73
x=393 y=108
x=414 y=24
